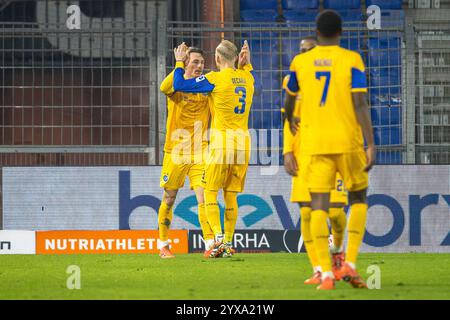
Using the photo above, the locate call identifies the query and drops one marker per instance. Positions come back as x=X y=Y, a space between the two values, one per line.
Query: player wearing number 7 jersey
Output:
x=333 y=119
x=231 y=92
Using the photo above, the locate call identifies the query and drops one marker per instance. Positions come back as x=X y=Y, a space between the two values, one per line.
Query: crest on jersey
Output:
x=201 y=78
x=165 y=177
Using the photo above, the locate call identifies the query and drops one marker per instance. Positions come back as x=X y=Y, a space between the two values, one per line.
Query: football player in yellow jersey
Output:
x=187 y=122
x=231 y=93
x=334 y=121
x=300 y=193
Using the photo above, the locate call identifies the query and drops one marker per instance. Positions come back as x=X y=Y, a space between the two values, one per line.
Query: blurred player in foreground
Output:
x=334 y=118
x=300 y=193
x=231 y=92
x=187 y=121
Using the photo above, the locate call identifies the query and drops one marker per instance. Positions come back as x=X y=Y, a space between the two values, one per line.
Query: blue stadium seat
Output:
x=271 y=120
x=269 y=80
x=263 y=45
x=294 y=17
x=385 y=4
x=300 y=4
x=264 y=120
x=385 y=96
x=258 y=4
x=255 y=119
x=271 y=99
x=385 y=71
x=259 y=15
x=390 y=115
x=392 y=19
x=353 y=41
x=386 y=116
x=342 y=4
x=384 y=51
x=389 y=135
x=395 y=114
x=390 y=157
x=351 y=17
x=375 y=115
x=268 y=61
x=388 y=77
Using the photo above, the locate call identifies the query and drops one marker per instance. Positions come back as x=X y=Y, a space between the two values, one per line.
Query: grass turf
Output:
x=189 y=276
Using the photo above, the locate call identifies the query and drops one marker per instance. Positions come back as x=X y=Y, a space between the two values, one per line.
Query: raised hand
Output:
x=180 y=52
x=244 y=55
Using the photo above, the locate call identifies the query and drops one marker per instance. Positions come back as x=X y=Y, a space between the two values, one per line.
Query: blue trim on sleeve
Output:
x=197 y=85
x=293 y=83
x=359 y=80
x=257 y=83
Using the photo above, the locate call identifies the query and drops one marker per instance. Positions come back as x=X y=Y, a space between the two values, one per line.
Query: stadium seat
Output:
x=259 y=15
x=271 y=120
x=351 y=17
x=258 y=4
x=389 y=157
x=385 y=115
x=385 y=96
x=384 y=51
x=264 y=120
x=300 y=4
x=255 y=118
x=392 y=19
x=263 y=45
x=294 y=17
x=389 y=79
x=390 y=115
x=375 y=116
x=388 y=135
x=342 y=4
x=268 y=61
x=353 y=41
x=385 y=4
x=271 y=99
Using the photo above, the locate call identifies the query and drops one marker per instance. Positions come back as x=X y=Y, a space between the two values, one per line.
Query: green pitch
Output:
x=189 y=276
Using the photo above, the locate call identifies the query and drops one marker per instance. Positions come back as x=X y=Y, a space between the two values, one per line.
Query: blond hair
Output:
x=227 y=50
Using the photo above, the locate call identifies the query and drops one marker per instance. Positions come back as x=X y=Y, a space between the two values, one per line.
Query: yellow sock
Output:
x=212 y=211
x=338 y=221
x=356 y=230
x=320 y=233
x=207 y=232
x=231 y=214
x=164 y=220
x=305 y=216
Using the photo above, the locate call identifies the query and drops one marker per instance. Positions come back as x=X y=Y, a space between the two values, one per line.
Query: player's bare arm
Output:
x=290 y=164
x=363 y=116
x=289 y=105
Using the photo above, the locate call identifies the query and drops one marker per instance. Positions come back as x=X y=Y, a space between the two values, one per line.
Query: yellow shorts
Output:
x=225 y=171
x=300 y=191
x=174 y=174
x=320 y=171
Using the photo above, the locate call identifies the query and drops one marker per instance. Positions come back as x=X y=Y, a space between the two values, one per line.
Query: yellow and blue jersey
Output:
x=187 y=114
x=231 y=95
x=327 y=76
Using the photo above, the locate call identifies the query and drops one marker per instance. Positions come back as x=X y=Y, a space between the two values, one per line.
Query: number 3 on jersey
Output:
x=243 y=93
x=327 y=75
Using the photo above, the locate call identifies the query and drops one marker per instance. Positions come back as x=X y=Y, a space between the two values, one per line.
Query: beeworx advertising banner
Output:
x=409 y=206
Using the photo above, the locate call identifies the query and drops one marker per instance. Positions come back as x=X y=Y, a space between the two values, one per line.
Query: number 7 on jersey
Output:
x=327 y=75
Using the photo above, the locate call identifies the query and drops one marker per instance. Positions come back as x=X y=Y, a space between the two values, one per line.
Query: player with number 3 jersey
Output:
x=231 y=92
